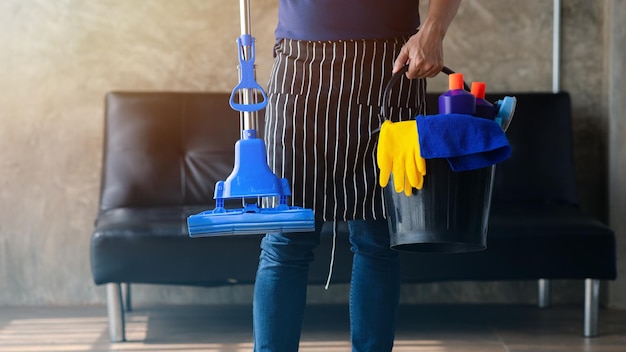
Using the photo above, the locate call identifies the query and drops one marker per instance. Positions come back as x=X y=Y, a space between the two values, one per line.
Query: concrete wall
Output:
x=59 y=58
x=616 y=96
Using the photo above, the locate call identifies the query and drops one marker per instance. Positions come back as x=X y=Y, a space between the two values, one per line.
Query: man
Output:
x=333 y=60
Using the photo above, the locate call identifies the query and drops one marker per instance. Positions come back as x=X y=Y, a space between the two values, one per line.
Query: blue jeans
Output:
x=281 y=286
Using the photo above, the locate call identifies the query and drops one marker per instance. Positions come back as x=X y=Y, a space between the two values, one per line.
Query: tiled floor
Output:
x=422 y=328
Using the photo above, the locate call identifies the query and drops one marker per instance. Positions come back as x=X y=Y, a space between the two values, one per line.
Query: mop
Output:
x=251 y=180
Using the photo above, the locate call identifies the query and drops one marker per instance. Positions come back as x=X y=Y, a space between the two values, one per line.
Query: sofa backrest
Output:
x=166 y=149
x=541 y=167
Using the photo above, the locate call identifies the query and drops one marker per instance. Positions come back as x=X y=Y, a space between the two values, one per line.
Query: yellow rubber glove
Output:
x=399 y=154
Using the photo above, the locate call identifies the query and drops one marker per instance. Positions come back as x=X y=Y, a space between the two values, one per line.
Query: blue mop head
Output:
x=250 y=221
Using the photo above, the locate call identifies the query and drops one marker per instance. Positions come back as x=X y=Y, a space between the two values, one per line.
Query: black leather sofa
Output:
x=164 y=151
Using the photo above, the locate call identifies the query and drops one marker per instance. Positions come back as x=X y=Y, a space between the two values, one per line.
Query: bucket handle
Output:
x=396 y=77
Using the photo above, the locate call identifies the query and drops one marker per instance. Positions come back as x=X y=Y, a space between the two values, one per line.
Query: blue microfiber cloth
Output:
x=466 y=141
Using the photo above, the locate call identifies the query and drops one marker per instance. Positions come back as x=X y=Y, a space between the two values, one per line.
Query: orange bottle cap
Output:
x=455 y=81
x=478 y=89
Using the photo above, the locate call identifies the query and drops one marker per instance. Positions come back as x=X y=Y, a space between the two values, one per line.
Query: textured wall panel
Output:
x=58 y=59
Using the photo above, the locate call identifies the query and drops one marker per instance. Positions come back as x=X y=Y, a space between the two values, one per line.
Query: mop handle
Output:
x=248 y=87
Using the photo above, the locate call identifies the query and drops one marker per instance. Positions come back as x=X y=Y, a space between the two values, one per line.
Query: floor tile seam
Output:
x=500 y=339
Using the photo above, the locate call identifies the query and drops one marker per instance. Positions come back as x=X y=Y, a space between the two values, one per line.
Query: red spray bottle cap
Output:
x=455 y=81
x=478 y=89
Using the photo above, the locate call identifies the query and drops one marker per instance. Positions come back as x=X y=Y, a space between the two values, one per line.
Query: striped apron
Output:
x=322 y=121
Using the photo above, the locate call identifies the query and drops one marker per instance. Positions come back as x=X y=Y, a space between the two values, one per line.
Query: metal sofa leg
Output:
x=115 y=312
x=127 y=297
x=544 y=293
x=592 y=306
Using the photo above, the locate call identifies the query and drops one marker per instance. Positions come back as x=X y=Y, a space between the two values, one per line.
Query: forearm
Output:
x=440 y=15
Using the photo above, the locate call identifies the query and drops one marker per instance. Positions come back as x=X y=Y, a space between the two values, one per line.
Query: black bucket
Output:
x=448 y=215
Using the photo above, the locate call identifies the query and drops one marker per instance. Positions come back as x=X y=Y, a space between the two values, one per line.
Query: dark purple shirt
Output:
x=346 y=19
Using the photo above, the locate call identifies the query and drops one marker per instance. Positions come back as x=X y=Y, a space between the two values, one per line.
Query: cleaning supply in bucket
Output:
x=399 y=155
x=466 y=142
x=455 y=134
x=484 y=108
x=457 y=100
x=505 y=108
x=251 y=180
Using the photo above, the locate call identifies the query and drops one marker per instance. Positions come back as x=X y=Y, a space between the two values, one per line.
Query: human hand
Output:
x=423 y=53
x=398 y=153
